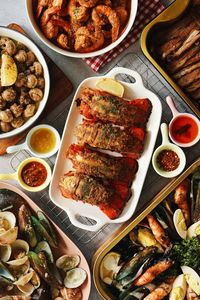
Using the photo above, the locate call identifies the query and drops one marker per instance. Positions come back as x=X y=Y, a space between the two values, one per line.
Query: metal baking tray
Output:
x=127 y=227
x=168 y=16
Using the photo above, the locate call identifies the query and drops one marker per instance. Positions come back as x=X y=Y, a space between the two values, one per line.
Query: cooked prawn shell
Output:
x=160 y=292
x=88 y=39
x=180 y=198
x=158 y=231
x=152 y=272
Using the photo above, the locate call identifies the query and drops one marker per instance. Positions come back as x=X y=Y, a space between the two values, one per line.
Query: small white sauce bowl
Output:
x=166 y=145
x=26 y=145
x=17 y=175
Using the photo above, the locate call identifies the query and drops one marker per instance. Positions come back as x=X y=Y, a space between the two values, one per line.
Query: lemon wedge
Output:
x=111 y=86
x=192 y=278
x=109 y=267
x=179 y=223
x=179 y=287
x=8 y=70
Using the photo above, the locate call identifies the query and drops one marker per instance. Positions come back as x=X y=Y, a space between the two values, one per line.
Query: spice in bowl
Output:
x=168 y=160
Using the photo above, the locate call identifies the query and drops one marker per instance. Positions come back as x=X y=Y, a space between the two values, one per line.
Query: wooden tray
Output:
x=61 y=88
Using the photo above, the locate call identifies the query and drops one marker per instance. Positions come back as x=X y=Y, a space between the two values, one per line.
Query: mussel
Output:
x=10 y=200
x=195 y=196
x=45 y=222
x=25 y=226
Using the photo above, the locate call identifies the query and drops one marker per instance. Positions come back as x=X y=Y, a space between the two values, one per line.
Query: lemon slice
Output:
x=179 y=223
x=109 y=267
x=179 y=287
x=111 y=86
x=8 y=70
x=192 y=278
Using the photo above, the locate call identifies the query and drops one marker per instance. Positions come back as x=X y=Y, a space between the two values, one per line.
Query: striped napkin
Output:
x=147 y=10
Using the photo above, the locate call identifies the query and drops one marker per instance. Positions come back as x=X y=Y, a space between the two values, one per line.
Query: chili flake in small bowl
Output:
x=168 y=159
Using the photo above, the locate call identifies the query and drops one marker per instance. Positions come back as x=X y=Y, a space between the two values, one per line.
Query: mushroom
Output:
x=31 y=81
x=24 y=99
x=29 y=110
x=9 y=94
x=2 y=103
x=36 y=94
x=38 y=68
x=17 y=122
x=40 y=82
x=6 y=116
x=30 y=58
x=21 y=56
x=10 y=47
x=17 y=110
x=5 y=127
x=21 y=80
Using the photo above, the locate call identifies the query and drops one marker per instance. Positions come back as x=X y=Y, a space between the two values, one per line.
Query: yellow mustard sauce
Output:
x=43 y=140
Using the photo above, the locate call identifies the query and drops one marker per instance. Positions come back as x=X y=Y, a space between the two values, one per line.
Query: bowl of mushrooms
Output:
x=24 y=82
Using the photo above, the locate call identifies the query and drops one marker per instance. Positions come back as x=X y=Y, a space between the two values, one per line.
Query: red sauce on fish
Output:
x=184 y=129
x=34 y=174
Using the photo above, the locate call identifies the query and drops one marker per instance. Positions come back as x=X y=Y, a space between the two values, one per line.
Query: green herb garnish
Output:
x=187 y=252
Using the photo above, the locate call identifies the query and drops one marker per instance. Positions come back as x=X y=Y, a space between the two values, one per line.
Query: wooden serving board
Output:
x=60 y=88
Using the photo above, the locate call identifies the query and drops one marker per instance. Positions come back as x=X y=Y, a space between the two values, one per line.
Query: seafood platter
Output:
x=82 y=28
x=139 y=121
x=171 y=43
x=157 y=255
x=107 y=146
x=37 y=260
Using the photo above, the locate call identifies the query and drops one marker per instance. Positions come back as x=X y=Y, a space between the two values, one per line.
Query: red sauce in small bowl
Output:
x=184 y=129
x=34 y=174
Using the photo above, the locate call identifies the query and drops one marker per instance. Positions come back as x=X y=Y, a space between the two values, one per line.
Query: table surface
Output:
x=75 y=69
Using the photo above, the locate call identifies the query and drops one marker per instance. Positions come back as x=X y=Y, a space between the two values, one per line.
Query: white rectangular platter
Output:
x=75 y=209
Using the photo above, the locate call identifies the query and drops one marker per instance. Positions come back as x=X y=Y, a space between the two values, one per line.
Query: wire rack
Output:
x=153 y=183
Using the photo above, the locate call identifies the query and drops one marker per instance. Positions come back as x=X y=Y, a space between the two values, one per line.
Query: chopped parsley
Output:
x=187 y=252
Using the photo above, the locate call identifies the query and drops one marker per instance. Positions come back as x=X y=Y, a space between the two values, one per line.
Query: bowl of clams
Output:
x=82 y=28
x=24 y=82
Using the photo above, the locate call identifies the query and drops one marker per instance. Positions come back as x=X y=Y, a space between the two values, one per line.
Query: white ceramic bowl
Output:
x=29 y=44
x=133 y=12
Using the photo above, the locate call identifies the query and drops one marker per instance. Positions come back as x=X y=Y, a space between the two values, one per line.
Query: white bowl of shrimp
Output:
x=24 y=83
x=82 y=28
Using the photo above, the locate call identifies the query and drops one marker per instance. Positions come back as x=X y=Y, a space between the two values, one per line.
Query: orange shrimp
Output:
x=151 y=273
x=158 y=231
x=46 y=16
x=122 y=13
x=76 y=12
x=65 y=41
x=160 y=292
x=40 y=5
x=180 y=198
x=100 y=12
x=88 y=3
x=88 y=40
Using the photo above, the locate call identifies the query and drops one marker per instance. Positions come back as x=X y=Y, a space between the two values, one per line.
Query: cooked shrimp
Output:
x=76 y=12
x=122 y=13
x=88 y=40
x=191 y=295
x=102 y=11
x=160 y=292
x=50 y=30
x=158 y=231
x=64 y=40
x=180 y=198
x=46 y=16
x=88 y=3
x=151 y=273
x=40 y=5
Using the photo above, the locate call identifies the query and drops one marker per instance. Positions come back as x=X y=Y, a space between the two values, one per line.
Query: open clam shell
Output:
x=68 y=262
x=24 y=279
x=19 y=248
x=5 y=253
x=9 y=236
x=75 y=278
x=7 y=220
x=18 y=262
x=26 y=289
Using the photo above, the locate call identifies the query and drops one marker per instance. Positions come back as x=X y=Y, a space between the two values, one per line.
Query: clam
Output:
x=9 y=236
x=20 y=248
x=75 y=278
x=20 y=270
x=7 y=220
x=24 y=279
x=26 y=289
x=18 y=261
x=68 y=262
x=5 y=252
